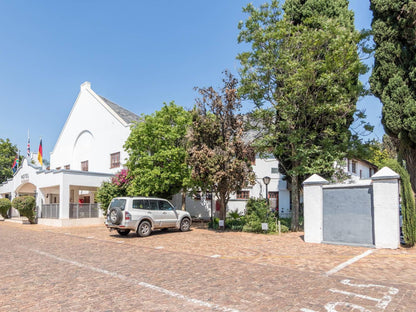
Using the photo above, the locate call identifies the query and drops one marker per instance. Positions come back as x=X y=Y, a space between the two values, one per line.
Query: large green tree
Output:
x=8 y=153
x=157 y=151
x=393 y=79
x=218 y=155
x=302 y=73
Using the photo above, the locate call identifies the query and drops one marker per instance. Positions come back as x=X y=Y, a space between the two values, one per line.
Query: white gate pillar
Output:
x=313 y=208
x=386 y=208
x=64 y=199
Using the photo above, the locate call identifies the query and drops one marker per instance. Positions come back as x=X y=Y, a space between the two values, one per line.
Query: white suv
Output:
x=143 y=215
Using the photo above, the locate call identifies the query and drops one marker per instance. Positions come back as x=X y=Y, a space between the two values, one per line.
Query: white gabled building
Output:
x=93 y=136
x=89 y=150
x=359 y=169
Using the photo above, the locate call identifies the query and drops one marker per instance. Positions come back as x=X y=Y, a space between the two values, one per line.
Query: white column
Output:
x=313 y=208
x=64 y=199
x=39 y=200
x=386 y=208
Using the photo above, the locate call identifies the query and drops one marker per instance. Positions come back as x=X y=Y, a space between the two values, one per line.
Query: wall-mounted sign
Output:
x=25 y=177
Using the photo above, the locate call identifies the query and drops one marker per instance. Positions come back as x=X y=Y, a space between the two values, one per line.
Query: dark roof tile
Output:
x=124 y=114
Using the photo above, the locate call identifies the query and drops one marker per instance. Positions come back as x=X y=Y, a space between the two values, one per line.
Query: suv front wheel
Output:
x=185 y=225
x=144 y=229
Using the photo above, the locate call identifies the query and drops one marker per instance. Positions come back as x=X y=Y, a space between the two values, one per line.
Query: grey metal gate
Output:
x=348 y=215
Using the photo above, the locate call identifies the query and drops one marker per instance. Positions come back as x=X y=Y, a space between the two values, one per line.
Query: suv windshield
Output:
x=117 y=203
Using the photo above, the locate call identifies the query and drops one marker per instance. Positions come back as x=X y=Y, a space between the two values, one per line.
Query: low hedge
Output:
x=26 y=206
x=5 y=205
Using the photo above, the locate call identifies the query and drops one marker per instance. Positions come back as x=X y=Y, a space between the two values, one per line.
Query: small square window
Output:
x=275 y=170
x=273 y=194
x=115 y=160
x=84 y=165
x=243 y=195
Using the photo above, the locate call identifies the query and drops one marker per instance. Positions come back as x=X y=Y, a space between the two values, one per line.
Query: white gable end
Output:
x=92 y=132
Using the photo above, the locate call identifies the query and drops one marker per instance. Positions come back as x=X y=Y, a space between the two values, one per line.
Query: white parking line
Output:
x=347 y=263
x=136 y=282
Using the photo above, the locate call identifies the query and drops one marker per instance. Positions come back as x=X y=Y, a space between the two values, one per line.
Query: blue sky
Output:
x=138 y=54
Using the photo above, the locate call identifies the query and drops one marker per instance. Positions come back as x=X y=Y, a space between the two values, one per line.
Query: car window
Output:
x=118 y=203
x=141 y=204
x=153 y=205
x=164 y=205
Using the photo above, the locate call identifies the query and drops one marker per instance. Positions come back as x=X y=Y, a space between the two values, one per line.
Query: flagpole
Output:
x=28 y=144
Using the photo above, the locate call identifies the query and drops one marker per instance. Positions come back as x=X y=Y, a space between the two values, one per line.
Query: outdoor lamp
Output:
x=266 y=181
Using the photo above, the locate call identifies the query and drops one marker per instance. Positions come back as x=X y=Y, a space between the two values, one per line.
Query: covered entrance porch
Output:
x=63 y=197
x=71 y=201
x=81 y=203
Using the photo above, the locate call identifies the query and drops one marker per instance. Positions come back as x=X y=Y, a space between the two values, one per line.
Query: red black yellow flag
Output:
x=40 y=154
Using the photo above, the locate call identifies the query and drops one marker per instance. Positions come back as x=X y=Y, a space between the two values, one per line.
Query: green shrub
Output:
x=235 y=224
x=106 y=192
x=283 y=228
x=285 y=222
x=230 y=224
x=26 y=206
x=258 y=212
x=5 y=205
x=214 y=223
x=234 y=214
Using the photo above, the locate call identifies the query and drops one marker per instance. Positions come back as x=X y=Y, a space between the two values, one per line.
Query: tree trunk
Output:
x=183 y=200
x=409 y=155
x=294 y=226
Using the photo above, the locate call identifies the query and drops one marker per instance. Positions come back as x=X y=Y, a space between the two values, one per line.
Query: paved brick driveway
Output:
x=91 y=269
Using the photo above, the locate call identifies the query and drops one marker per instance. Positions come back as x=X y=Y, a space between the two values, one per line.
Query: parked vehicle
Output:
x=143 y=215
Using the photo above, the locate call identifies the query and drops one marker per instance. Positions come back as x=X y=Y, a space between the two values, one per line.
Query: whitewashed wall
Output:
x=262 y=168
x=92 y=132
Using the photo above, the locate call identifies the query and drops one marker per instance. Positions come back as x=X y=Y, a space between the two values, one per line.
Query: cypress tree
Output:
x=393 y=79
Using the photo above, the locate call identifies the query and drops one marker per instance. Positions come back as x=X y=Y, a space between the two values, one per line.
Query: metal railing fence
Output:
x=78 y=211
x=50 y=211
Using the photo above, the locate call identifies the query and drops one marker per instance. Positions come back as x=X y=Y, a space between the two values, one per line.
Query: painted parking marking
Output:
x=137 y=282
x=332 y=305
x=159 y=247
x=381 y=303
x=215 y=256
x=349 y=262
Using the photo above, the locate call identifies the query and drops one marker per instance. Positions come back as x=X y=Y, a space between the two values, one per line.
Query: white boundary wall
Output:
x=385 y=185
